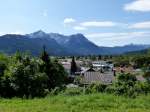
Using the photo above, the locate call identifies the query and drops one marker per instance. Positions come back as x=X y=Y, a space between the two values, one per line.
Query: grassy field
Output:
x=82 y=103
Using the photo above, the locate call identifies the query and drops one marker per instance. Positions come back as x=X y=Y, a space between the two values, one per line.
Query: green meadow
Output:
x=82 y=103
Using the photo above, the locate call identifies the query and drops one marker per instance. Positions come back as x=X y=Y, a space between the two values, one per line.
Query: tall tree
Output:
x=45 y=56
x=55 y=72
x=73 y=66
x=46 y=66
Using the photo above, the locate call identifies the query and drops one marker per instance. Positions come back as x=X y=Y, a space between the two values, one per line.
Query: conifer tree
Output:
x=46 y=66
x=55 y=72
x=45 y=56
x=73 y=66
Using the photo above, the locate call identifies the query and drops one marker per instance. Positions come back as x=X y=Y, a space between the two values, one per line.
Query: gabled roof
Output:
x=105 y=78
x=90 y=70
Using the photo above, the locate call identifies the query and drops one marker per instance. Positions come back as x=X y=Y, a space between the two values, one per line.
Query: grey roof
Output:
x=105 y=78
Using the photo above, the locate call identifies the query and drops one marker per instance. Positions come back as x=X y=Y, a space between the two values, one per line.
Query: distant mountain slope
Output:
x=58 y=44
x=145 y=51
x=77 y=44
x=11 y=43
x=126 y=48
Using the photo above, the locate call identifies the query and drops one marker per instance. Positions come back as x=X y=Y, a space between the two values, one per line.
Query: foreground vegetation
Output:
x=81 y=103
x=25 y=79
x=24 y=76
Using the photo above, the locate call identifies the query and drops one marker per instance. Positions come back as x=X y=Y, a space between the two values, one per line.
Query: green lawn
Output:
x=82 y=103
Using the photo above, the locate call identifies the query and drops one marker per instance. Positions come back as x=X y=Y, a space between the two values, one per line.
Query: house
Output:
x=92 y=76
x=67 y=66
x=102 y=65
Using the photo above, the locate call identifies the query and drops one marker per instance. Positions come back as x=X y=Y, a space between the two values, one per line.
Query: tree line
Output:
x=24 y=76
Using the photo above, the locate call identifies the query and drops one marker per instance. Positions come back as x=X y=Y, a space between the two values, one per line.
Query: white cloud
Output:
x=138 y=5
x=79 y=28
x=93 y=35
x=69 y=20
x=119 y=39
x=85 y=25
x=91 y=24
x=98 y=24
x=141 y=25
x=118 y=36
x=1 y=33
x=16 y=32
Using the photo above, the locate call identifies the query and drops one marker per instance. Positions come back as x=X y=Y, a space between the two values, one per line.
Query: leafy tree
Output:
x=146 y=74
x=125 y=85
x=58 y=75
x=2 y=68
x=141 y=61
x=24 y=77
x=18 y=56
x=6 y=89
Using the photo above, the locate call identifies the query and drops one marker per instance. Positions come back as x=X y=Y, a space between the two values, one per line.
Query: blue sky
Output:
x=104 y=22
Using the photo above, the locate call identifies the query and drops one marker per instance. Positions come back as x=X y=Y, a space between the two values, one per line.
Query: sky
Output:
x=104 y=22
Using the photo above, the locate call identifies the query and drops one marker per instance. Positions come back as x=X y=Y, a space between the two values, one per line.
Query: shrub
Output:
x=95 y=88
x=125 y=85
x=110 y=89
x=57 y=90
x=73 y=91
x=143 y=87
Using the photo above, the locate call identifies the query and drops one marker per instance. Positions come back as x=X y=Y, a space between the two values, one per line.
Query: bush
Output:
x=110 y=89
x=73 y=91
x=125 y=85
x=95 y=88
x=143 y=87
x=57 y=90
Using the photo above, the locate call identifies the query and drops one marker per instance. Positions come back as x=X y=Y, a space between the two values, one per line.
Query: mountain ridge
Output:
x=58 y=44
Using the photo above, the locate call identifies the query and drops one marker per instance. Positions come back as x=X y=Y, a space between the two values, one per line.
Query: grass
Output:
x=81 y=103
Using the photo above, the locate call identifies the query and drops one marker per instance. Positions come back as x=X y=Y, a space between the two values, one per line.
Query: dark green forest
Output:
x=22 y=75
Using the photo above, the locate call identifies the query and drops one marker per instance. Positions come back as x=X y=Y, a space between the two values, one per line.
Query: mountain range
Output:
x=61 y=45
